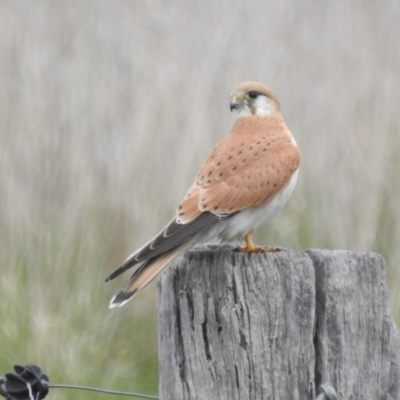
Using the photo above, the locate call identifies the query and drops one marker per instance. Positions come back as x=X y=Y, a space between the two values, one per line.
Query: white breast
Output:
x=248 y=220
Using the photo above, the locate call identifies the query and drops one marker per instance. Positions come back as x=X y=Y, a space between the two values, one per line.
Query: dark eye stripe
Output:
x=253 y=94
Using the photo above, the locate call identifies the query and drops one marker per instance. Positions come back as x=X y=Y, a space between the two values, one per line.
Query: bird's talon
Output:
x=253 y=249
x=257 y=249
x=272 y=249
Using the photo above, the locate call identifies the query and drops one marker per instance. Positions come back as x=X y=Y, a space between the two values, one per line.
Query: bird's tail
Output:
x=145 y=274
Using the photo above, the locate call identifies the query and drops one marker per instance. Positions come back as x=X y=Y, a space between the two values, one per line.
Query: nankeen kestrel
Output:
x=245 y=180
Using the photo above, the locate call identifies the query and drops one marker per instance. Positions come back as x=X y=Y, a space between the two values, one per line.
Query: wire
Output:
x=106 y=391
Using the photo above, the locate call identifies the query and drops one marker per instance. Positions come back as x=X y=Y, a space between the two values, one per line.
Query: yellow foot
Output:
x=254 y=249
x=257 y=249
x=271 y=249
x=251 y=248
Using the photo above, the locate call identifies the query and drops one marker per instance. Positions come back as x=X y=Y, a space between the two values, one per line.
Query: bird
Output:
x=243 y=182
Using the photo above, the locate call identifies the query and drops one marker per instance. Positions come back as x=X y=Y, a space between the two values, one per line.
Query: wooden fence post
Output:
x=275 y=326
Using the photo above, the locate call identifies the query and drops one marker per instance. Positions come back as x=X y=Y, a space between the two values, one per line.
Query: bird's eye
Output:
x=253 y=94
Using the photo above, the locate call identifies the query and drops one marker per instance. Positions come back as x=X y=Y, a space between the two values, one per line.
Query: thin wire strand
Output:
x=106 y=391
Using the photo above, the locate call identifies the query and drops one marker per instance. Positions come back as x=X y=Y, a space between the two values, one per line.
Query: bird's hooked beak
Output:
x=236 y=101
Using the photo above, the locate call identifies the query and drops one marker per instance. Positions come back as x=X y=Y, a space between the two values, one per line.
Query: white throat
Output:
x=262 y=106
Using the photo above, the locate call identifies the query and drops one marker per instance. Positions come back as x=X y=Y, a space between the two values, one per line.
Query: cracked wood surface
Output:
x=275 y=326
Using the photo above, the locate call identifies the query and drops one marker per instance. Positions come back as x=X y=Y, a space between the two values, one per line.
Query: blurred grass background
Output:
x=107 y=109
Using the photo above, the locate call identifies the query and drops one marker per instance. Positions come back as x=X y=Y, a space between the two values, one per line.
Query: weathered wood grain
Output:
x=356 y=342
x=275 y=326
x=237 y=326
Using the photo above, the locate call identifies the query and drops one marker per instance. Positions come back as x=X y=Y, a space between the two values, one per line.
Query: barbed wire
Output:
x=30 y=383
x=106 y=391
x=327 y=392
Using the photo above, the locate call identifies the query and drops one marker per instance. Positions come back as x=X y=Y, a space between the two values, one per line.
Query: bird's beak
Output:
x=234 y=105
x=236 y=102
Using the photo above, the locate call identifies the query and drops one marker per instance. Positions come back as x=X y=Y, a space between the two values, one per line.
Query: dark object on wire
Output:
x=28 y=382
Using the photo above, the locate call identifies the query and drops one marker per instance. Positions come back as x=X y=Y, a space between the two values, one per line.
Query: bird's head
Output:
x=252 y=98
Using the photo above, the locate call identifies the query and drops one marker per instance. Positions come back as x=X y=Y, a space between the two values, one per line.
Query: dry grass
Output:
x=105 y=104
